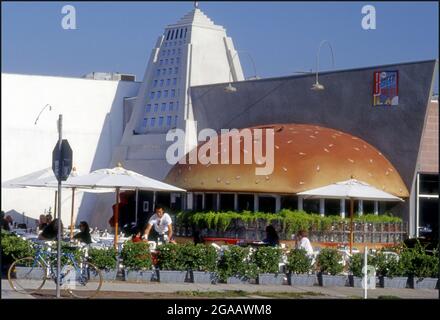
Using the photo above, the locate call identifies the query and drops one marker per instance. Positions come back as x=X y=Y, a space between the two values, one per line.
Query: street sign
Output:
x=64 y=160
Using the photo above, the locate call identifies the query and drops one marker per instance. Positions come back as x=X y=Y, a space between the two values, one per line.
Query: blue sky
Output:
x=282 y=37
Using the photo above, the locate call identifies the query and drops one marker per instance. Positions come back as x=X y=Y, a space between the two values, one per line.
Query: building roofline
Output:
x=67 y=77
x=313 y=74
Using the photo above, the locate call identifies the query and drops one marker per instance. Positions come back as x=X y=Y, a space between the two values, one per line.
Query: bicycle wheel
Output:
x=84 y=282
x=27 y=275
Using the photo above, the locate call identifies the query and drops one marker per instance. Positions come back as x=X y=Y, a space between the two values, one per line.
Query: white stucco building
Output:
x=193 y=51
x=92 y=122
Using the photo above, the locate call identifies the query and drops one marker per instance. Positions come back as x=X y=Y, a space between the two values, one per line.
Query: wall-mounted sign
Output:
x=386 y=88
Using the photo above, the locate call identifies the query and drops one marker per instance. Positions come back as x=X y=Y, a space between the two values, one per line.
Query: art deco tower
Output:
x=194 y=51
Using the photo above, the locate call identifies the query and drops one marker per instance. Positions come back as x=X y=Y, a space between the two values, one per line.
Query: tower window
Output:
x=174 y=51
x=156 y=107
x=168 y=34
x=171 y=106
x=166 y=61
x=158 y=72
x=168 y=82
x=164 y=71
x=179 y=51
x=172 y=35
x=144 y=122
x=165 y=94
x=173 y=93
x=163 y=107
x=152 y=95
x=152 y=121
x=170 y=70
x=148 y=108
x=160 y=124
x=181 y=33
x=154 y=83
x=171 y=61
x=161 y=83
x=174 y=81
x=177 y=60
x=160 y=62
x=176 y=69
x=168 y=121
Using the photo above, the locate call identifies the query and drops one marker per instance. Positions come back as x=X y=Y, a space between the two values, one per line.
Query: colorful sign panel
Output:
x=386 y=86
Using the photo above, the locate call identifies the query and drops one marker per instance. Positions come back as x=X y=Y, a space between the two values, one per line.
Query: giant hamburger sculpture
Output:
x=305 y=157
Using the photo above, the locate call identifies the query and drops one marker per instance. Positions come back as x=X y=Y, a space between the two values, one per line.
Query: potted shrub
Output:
x=330 y=267
x=106 y=261
x=236 y=265
x=171 y=263
x=15 y=248
x=137 y=261
x=421 y=268
x=299 y=264
x=356 y=265
x=201 y=262
x=390 y=271
x=267 y=261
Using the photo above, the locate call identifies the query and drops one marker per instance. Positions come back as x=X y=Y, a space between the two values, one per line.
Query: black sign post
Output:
x=61 y=166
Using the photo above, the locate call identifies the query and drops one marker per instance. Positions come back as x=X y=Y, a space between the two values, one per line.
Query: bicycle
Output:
x=80 y=279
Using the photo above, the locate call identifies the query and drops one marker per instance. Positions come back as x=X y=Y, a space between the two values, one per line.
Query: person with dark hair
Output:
x=42 y=222
x=272 y=238
x=161 y=224
x=49 y=218
x=84 y=234
x=51 y=231
x=197 y=235
x=4 y=225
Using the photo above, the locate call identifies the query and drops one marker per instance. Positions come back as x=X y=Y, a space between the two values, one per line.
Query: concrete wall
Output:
x=92 y=122
x=345 y=104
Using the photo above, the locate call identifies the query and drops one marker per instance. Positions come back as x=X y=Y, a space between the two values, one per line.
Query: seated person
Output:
x=50 y=232
x=3 y=222
x=42 y=223
x=84 y=234
x=272 y=238
x=160 y=222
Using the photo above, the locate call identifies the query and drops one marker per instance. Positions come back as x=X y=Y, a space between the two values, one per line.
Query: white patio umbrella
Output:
x=119 y=178
x=350 y=189
x=45 y=178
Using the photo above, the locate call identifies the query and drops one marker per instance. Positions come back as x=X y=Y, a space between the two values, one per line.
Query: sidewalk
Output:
x=124 y=289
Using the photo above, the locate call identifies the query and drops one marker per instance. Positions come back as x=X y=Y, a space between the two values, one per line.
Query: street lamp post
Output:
x=229 y=87
x=317 y=85
x=60 y=171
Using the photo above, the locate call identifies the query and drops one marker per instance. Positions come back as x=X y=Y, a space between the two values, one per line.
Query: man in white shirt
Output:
x=304 y=243
x=161 y=223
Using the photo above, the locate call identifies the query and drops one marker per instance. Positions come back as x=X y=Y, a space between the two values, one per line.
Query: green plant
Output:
x=136 y=256
x=357 y=263
x=329 y=261
x=66 y=248
x=171 y=257
x=14 y=247
x=267 y=259
x=298 y=261
x=417 y=263
x=199 y=257
x=104 y=259
x=388 y=265
x=237 y=261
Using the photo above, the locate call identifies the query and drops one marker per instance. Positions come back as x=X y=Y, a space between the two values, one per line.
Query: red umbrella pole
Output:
x=351 y=225
x=116 y=218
